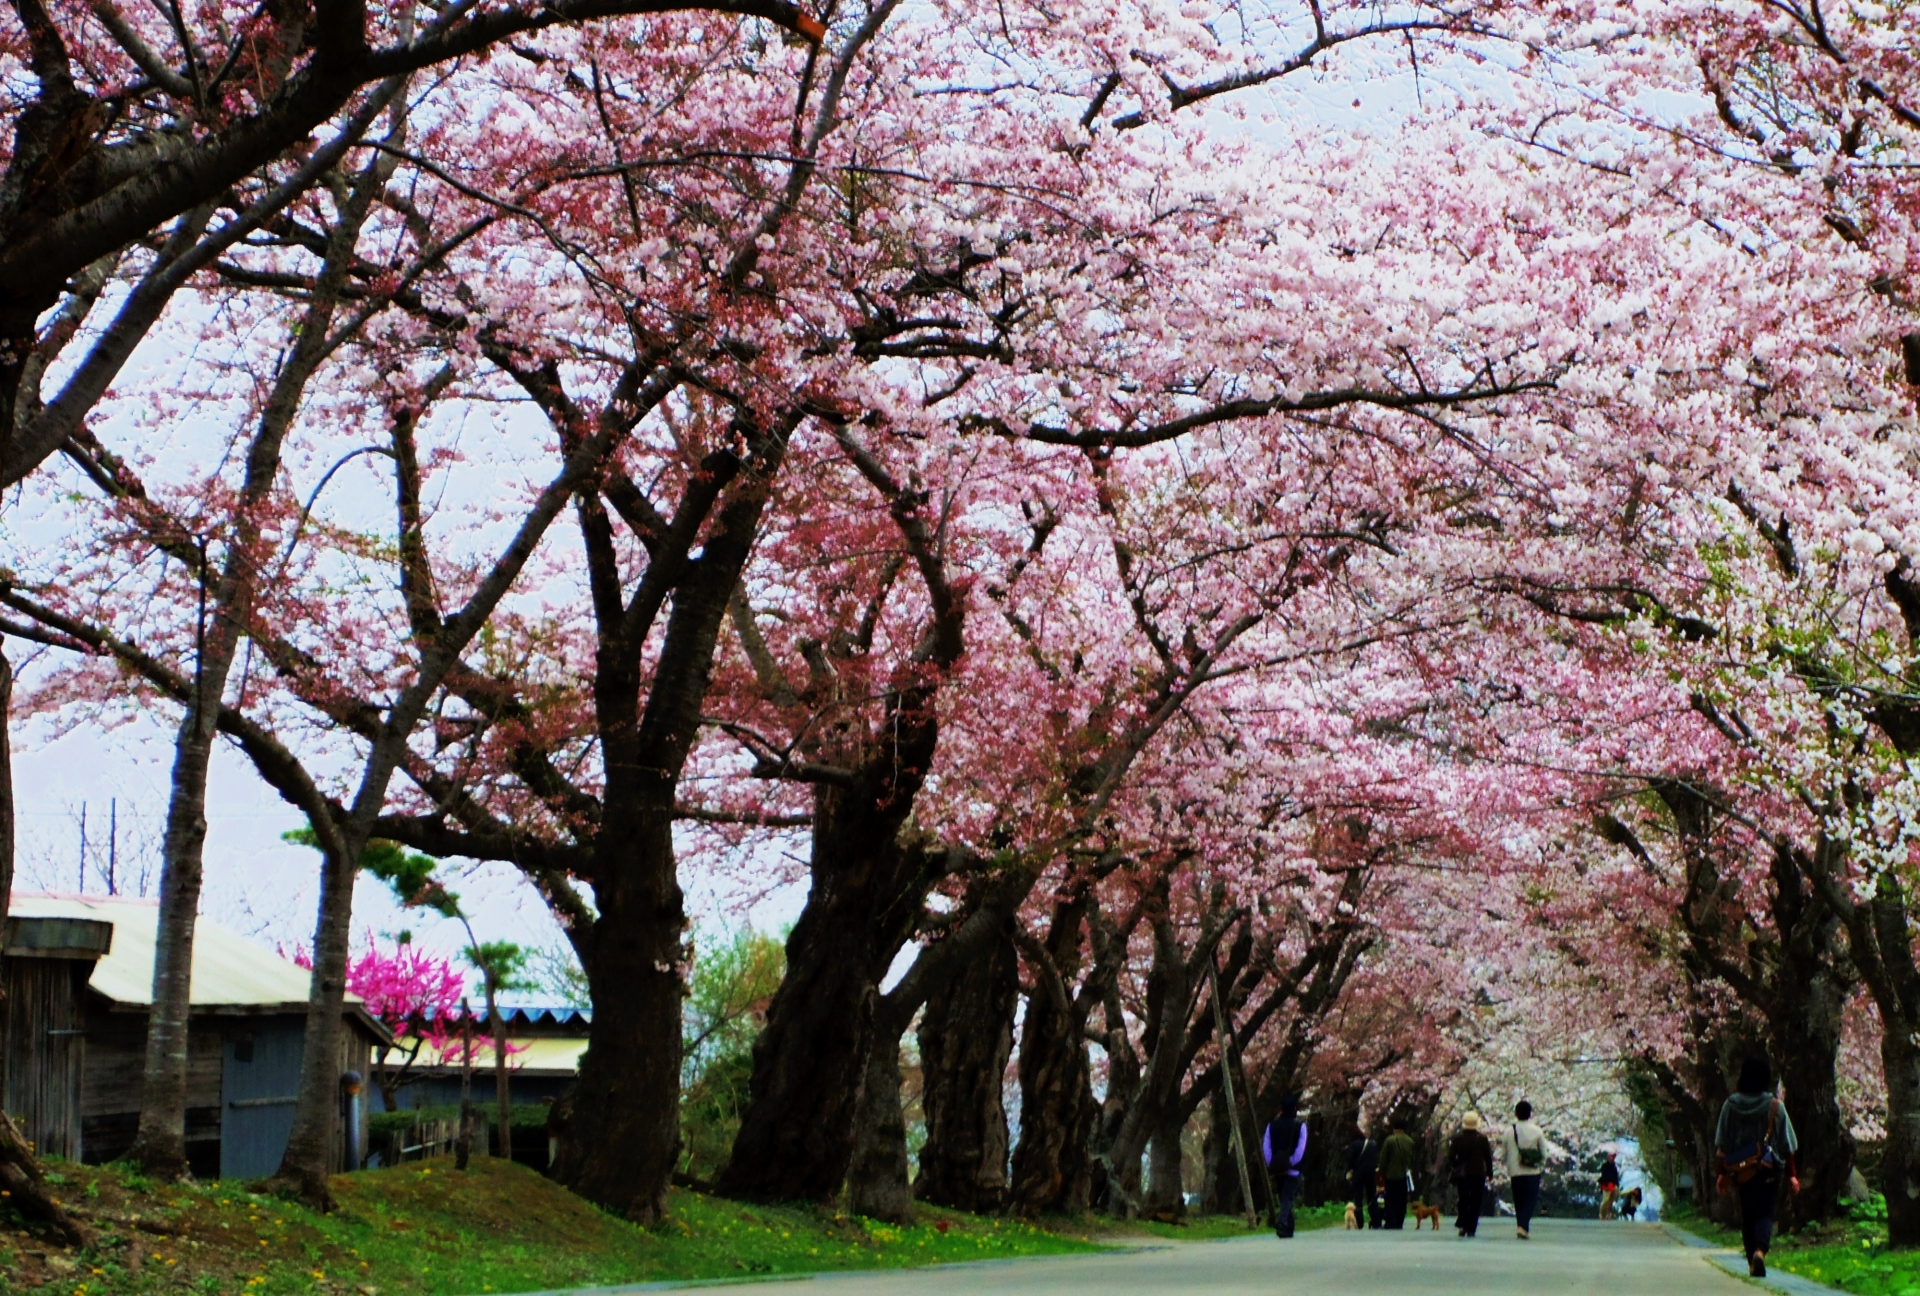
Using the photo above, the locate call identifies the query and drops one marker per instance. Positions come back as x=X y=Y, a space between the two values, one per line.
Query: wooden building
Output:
x=544 y=1047
x=80 y=974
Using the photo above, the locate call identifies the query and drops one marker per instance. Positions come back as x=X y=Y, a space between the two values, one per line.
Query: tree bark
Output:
x=502 y=1094
x=812 y=1055
x=618 y=1150
x=1803 y=1026
x=1166 y=1192
x=877 y=1177
x=1220 y=1191
x=966 y=1041
x=1052 y=1164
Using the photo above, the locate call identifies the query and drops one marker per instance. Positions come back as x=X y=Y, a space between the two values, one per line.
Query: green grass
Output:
x=1849 y=1253
x=428 y=1230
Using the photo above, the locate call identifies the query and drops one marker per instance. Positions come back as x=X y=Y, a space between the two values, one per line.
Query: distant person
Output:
x=1471 y=1155
x=1284 y=1148
x=1396 y=1172
x=1363 y=1170
x=1609 y=1186
x=1525 y=1152
x=1755 y=1143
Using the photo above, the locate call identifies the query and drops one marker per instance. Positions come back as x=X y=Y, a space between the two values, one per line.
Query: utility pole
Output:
x=113 y=846
x=83 y=848
x=1225 y=1037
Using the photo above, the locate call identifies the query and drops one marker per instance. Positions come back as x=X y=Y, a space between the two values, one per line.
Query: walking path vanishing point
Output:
x=1574 y=1257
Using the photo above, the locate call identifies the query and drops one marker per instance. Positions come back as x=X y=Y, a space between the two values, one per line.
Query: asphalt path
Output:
x=1564 y=1256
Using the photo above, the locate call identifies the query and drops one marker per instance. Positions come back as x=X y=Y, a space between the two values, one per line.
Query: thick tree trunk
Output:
x=877 y=1177
x=619 y=1146
x=1810 y=994
x=1220 y=1191
x=1052 y=1164
x=812 y=1055
x=966 y=1040
x=1166 y=1193
x=1900 y=1158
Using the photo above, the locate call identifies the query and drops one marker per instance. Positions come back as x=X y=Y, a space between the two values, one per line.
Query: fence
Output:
x=424 y=1140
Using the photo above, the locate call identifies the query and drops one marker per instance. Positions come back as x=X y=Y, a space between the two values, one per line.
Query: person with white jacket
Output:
x=1524 y=1148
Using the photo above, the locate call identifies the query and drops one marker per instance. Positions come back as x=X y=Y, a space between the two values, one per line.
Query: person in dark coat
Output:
x=1363 y=1171
x=1471 y=1154
x=1396 y=1167
x=1755 y=1147
x=1284 y=1148
x=1609 y=1186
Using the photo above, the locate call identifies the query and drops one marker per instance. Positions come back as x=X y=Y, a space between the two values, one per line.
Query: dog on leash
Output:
x=1422 y=1211
x=1351 y=1220
x=1629 y=1203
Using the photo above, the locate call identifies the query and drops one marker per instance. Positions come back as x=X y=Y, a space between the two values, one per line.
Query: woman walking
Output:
x=1284 y=1148
x=1526 y=1156
x=1755 y=1143
x=1472 y=1157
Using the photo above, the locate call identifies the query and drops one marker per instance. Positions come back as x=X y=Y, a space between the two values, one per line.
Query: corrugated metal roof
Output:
x=229 y=971
x=559 y=1056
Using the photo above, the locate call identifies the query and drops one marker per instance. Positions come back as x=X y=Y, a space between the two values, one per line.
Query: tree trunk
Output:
x=463 y=1141
x=1166 y=1193
x=877 y=1177
x=812 y=1055
x=619 y=1147
x=966 y=1040
x=1052 y=1164
x=311 y=1144
x=1220 y=1191
x=1810 y=995
x=160 y=1148
x=1900 y=1159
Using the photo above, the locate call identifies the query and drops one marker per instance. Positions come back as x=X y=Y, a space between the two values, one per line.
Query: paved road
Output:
x=1570 y=1257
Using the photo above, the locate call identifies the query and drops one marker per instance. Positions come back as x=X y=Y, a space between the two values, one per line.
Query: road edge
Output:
x=683 y=1284
x=1734 y=1263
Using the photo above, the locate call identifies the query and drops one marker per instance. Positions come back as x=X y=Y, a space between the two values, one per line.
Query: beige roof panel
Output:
x=229 y=971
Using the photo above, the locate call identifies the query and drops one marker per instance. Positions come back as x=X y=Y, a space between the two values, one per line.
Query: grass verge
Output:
x=1849 y=1253
x=424 y=1229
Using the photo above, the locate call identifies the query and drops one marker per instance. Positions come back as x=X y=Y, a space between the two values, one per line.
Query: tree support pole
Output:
x=1220 y=1027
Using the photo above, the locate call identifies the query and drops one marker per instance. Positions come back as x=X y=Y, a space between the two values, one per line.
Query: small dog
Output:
x=1350 y=1221
x=1629 y=1203
x=1422 y=1211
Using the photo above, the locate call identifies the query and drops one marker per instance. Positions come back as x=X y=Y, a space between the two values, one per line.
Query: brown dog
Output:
x=1350 y=1221
x=1422 y=1211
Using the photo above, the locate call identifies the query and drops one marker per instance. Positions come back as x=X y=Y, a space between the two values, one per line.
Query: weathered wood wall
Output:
x=47 y=1050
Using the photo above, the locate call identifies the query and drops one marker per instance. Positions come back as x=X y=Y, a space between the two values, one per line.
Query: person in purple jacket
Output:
x=1284 y=1148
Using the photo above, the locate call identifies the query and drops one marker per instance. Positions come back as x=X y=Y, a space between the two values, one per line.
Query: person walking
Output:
x=1284 y=1147
x=1363 y=1169
x=1471 y=1153
x=1609 y=1186
x=1396 y=1172
x=1754 y=1145
x=1525 y=1153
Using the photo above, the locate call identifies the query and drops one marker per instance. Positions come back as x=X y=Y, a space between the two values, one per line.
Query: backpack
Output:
x=1749 y=1161
x=1530 y=1158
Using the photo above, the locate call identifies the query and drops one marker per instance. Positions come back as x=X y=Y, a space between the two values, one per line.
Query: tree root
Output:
x=27 y=1190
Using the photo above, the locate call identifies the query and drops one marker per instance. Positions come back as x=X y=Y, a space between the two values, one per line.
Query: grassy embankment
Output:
x=424 y=1229
x=1850 y=1254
